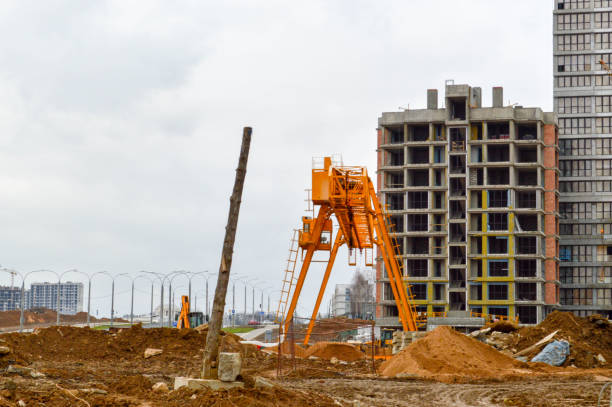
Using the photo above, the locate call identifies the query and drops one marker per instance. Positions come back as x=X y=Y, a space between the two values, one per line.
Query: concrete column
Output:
x=432 y=98
x=498 y=96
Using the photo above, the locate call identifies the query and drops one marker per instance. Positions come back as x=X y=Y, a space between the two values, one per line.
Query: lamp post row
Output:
x=149 y=275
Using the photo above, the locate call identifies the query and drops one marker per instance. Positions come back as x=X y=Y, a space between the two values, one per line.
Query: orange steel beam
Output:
x=322 y=216
x=332 y=257
x=407 y=316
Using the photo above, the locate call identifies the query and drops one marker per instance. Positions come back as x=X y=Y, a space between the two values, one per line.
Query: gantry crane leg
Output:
x=407 y=317
x=330 y=264
x=322 y=216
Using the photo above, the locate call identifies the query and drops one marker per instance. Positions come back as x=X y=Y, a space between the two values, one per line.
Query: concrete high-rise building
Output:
x=44 y=295
x=582 y=37
x=473 y=193
x=10 y=298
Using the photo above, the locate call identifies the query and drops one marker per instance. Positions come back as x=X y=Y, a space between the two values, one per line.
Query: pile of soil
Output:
x=341 y=351
x=71 y=343
x=286 y=349
x=330 y=329
x=445 y=354
x=588 y=337
x=45 y=316
x=502 y=326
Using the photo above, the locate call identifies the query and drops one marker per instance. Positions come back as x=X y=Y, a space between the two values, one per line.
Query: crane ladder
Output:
x=289 y=279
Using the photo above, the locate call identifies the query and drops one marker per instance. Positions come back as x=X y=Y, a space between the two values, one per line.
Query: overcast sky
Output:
x=120 y=122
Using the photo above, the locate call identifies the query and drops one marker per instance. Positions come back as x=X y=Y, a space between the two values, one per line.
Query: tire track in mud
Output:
x=390 y=393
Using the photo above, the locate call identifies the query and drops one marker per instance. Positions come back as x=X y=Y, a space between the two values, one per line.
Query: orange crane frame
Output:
x=348 y=194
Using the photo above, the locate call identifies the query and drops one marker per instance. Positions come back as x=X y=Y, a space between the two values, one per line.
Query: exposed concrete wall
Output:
x=551 y=228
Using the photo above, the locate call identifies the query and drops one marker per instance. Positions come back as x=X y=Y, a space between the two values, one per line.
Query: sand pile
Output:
x=286 y=349
x=341 y=351
x=588 y=338
x=444 y=353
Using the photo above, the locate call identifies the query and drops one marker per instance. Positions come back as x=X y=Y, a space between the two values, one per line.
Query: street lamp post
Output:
x=170 y=277
x=152 y=286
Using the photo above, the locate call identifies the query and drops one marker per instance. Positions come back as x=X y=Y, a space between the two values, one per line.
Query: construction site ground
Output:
x=66 y=366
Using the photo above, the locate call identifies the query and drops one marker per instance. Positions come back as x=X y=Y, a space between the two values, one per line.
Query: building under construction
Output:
x=473 y=194
x=582 y=33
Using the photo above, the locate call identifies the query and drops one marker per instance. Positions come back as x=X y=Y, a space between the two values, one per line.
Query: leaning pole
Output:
x=211 y=351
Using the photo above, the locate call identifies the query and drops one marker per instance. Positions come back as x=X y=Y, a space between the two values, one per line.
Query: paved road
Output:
x=249 y=336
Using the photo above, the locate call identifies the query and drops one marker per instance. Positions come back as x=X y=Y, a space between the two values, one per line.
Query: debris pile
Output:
x=445 y=354
x=329 y=350
x=590 y=338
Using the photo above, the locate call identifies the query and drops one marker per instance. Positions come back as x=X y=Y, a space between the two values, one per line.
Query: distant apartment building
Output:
x=341 y=300
x=44 y=295
x=582 y=37
x=346 y=301
x=10 y=298
x=473 y=194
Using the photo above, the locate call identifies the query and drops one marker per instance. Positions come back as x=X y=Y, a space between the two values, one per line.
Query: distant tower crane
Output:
x=348 y=194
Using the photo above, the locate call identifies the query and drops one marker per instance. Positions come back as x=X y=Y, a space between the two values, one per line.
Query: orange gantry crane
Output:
x=346 y=193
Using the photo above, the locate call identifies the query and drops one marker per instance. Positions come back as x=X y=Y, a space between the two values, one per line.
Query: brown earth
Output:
x=330 y=329
x=502 y=326
x=341 y=351
x=80 y=359
x=445 y=354
x=110 y=370
x=588 y=337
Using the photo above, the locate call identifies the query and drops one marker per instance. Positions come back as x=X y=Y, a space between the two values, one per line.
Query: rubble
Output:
x=230 y=365
x=150 y=352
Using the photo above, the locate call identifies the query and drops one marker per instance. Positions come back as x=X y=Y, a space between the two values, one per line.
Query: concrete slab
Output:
x=208 y=384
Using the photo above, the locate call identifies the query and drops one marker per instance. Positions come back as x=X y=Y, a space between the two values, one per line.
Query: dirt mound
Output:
x=341 y=351
x=330 y=329
x=588 y=337
x=444 y=352
x=502 y=326
x=44 y=316
x=71 y=343
x=286 y=349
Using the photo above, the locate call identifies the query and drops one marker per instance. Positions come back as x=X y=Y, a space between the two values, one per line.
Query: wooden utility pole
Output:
x=211 y=351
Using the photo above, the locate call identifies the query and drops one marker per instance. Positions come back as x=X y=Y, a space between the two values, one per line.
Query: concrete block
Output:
x=230 y=365
x=150 y=352
x=205 y=384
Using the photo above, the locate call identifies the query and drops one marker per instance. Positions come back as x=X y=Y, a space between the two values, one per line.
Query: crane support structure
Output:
x=347 y=193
